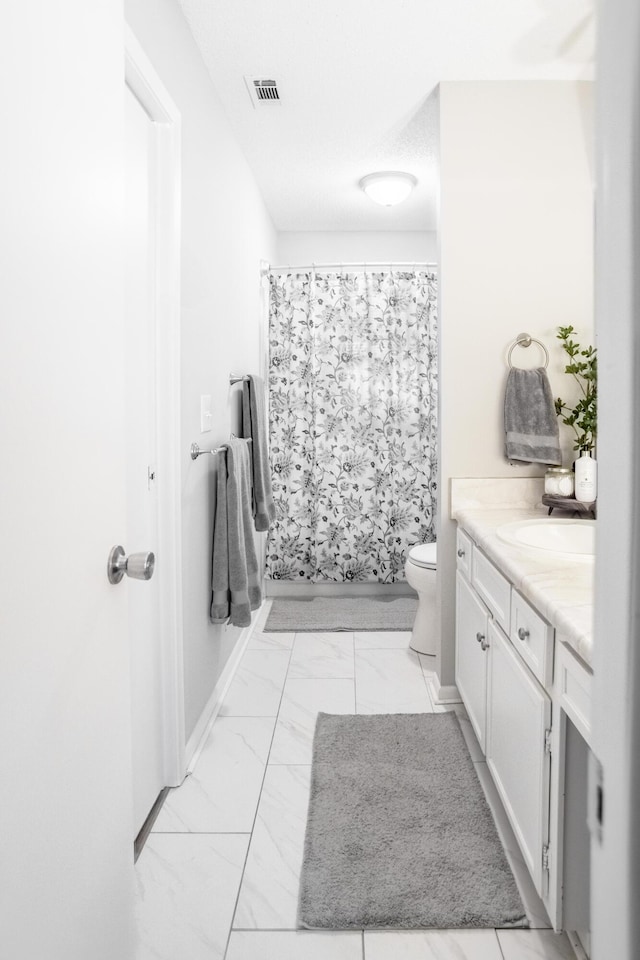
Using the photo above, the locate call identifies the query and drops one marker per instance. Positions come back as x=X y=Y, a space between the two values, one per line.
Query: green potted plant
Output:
x=583 y=367
x=583 y=416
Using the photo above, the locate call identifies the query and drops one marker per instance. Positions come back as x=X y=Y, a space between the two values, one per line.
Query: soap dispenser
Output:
x=586 y=470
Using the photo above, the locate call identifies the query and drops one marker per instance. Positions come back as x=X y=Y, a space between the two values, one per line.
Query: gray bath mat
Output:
x=399 y=833
x=326 y=615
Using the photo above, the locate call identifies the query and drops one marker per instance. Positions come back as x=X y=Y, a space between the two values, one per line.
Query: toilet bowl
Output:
x=420 y=571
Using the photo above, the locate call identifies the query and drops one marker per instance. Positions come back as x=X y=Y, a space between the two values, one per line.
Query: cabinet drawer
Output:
x=532 y=638
x=464 y=548
x=494 y=589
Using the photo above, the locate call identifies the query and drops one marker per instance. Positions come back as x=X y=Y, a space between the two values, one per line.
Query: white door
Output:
x=141 y=438
x=65 y=795
x=471 y=655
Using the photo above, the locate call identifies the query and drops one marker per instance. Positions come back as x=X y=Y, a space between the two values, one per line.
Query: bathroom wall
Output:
x=516 y=254
x=226 y=231
x=355 y=246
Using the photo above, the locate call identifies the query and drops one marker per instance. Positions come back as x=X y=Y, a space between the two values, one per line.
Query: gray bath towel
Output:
x=236 y=579
x=530 y=421
x=254 y=425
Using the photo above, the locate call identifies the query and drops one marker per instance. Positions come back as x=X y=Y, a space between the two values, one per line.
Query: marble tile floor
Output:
x=218 y=877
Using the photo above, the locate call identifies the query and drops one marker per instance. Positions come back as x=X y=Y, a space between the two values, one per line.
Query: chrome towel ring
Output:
x=525 y=340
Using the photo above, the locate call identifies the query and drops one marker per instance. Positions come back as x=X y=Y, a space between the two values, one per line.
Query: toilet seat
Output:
x=424 y=555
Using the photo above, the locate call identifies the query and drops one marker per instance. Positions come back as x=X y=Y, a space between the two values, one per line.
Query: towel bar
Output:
x=525 y=340
x=237 y=378
x=197 y=452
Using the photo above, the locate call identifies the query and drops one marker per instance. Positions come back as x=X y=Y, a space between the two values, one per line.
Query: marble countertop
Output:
x=560 y=590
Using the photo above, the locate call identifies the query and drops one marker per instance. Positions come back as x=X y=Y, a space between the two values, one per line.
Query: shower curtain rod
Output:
x=268 y=268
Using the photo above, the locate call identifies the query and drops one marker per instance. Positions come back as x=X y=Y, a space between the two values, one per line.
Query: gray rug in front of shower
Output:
x=399 y=833
x=329 y=614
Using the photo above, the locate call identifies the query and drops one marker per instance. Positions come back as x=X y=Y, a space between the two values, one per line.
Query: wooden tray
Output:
x=570 y=505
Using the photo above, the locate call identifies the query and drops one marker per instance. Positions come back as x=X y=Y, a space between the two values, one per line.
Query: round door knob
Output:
x=138 y=566
x=460 y=552
x=480 y=637
x=523 y=633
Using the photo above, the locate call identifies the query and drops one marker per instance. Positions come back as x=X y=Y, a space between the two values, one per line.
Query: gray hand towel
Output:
x=254 y=425
x=530 y=421
x=236 y=589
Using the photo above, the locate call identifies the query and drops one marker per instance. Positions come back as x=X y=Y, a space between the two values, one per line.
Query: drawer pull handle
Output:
x=480 y=637
x=460 y=552
x=523 y=633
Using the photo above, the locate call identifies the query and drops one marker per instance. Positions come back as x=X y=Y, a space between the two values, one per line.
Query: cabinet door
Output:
x=464 y=552
x=471 y=655
x=518 y=715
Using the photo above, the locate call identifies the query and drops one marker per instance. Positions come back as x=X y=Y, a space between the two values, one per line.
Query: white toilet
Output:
x=420 y=571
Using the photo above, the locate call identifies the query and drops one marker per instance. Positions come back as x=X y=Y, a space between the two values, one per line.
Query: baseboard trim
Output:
x=441 y=695
x=147 y=826
x=208 y=716
x=576 y=945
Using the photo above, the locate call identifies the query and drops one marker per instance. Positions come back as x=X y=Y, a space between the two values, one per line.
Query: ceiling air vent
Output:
x=262 y=90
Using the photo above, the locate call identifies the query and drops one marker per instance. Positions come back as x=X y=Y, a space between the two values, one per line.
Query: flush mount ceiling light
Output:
x=389 y=187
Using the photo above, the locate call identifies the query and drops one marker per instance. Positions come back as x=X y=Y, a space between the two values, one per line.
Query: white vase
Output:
x=586 y=470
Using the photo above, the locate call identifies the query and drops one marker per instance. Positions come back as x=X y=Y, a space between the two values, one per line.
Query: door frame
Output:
x=145 y=84
x=615 y=766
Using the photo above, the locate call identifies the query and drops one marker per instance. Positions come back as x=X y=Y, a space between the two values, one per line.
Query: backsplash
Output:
x=470 y=492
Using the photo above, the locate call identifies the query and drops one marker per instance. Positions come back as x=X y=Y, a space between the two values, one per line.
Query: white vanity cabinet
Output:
x=509 y=709
x=528 y=696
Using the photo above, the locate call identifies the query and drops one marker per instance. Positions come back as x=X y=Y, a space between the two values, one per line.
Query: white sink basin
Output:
x=563 y=539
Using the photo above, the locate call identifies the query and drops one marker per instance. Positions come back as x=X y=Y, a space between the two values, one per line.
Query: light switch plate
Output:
x=206 y=413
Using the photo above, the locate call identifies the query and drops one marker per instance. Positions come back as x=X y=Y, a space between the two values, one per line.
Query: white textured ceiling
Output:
x=355 y=79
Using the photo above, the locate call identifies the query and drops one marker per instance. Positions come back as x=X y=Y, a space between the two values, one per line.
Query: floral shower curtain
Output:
x=353 y=423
